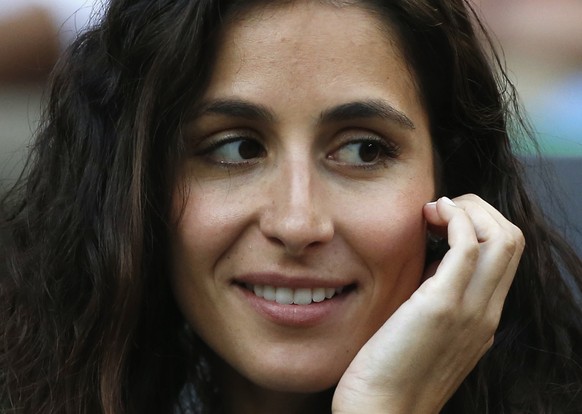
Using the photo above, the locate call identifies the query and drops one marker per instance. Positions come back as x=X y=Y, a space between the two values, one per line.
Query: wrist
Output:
x=370 y=403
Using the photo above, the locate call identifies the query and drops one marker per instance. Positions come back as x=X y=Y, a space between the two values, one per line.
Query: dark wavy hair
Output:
x=88 y=322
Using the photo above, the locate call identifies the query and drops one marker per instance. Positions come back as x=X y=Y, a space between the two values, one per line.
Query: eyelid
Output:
x=384 y=143
x=215 y=140
x=368 y=136
x=217 y=150
x=389 y=151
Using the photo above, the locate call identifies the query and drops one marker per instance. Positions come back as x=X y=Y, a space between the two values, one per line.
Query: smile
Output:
x=290 y=296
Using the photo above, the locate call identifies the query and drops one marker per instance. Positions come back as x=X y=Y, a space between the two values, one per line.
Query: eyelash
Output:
x=387 y=151
x=207 y=150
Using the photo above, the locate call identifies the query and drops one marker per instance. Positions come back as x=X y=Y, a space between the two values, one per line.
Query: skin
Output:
x=304 y=204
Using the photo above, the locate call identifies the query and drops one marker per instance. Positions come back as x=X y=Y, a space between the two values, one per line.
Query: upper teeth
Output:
x=288 y=296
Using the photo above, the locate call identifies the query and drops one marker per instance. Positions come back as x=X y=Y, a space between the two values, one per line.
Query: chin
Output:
x=296 y=383
x=287 y=374
x=305 y=375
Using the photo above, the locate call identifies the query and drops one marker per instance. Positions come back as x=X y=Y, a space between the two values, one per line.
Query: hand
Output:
x=419 y=357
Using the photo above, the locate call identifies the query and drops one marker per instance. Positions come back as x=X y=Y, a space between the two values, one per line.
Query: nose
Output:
x=296 y=216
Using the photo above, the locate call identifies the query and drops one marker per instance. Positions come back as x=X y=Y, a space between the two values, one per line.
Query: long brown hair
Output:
x=88 y=323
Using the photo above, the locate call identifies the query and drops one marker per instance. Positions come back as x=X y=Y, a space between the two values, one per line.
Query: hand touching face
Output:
x=416 y=361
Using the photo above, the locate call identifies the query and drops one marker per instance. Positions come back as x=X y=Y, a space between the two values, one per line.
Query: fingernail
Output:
x=432 y=203
x=449 y=201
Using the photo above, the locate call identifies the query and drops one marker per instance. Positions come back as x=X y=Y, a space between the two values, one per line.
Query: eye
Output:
x=364 y=152
x=235 y=150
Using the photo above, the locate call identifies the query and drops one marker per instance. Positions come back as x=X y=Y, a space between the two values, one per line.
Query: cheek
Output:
x=204 y=229
x=206 y=222
x=388 y=230
x=393 y=241
x=392 y=246
x=389 y=236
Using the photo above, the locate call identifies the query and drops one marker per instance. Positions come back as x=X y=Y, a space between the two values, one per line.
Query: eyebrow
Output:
x=372 y=108
x=237 y=109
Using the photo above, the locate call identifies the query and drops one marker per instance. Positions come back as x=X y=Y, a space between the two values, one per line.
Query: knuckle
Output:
x=508 y=245
x=497 y=233
x=519 y=237
x=511 y=241
x=491 y=319
x=489 y=343
x=473 y=197
x=445 y=311
x=490 y=323
x=470 y=197
x=471 y=250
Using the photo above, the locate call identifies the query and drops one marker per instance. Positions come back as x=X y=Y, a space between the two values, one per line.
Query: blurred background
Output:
x=33 y=33
x=541 y=42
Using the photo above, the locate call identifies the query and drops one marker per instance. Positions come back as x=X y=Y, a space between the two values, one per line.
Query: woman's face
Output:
x=308 y=164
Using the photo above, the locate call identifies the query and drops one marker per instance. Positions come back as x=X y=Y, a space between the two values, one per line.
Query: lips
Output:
x=297 y=296
x=295 y=300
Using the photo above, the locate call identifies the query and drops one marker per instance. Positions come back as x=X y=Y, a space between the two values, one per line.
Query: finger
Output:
x=495 y=266
x=432 y=215
x=515 y=234
x=501 y=245
x=457 y=265
x=500 y=294
x=499 y=251
x=488 y=222
x=496 y=214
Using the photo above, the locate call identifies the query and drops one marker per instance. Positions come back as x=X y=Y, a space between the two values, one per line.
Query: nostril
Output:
x=295 y=247
x=276 y=241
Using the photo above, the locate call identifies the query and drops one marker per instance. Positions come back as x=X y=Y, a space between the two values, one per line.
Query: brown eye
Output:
x=234 y=151
x=248 y=149
x=365 y=152
x=369 y=151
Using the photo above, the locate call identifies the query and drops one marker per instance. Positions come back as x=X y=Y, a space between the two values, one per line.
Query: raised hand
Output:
x=419 y=357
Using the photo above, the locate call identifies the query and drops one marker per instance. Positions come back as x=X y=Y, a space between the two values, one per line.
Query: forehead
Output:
x=309 y=22
x=295 y=31
x=302 y=44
